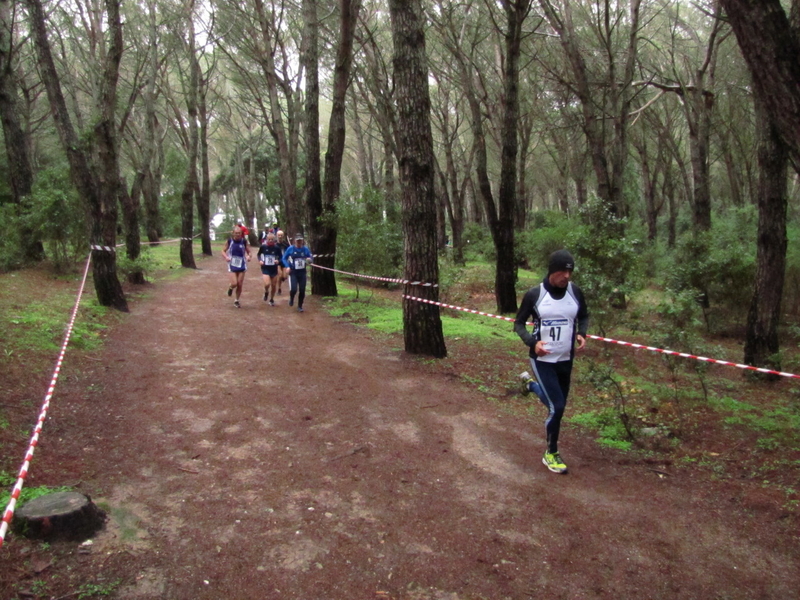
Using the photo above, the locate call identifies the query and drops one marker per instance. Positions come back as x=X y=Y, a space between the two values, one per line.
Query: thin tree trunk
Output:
x=442 y=207
x=130 y=217
x=287 y=174
x=204 y=189
x=190 y=184
x=325 y=283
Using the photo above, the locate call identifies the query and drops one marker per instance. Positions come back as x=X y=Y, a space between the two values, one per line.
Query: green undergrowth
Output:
x=384 y=313
x=163 y=262
x=7 y=481
x=39 y=325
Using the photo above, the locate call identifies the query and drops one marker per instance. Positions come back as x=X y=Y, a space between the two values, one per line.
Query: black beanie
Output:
x=560 y=260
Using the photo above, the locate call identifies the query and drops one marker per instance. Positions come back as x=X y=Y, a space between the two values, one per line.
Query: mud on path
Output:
x=260 y=453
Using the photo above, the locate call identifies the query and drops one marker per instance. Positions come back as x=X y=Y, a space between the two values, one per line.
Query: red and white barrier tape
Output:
x=169 y=241
x=110 y=249
x=695 y=357
x=403 y=281
x=23 y=472
x=621 y=343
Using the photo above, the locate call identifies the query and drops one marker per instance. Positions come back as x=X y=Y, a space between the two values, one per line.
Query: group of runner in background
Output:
x=280 y=261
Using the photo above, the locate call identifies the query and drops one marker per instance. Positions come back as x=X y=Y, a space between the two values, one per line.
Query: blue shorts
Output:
x=271 y=270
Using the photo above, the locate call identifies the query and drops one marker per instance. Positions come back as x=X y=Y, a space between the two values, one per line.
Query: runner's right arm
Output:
x=527 y=310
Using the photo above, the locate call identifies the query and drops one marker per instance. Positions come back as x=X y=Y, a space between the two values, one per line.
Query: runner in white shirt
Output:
x=560 y=316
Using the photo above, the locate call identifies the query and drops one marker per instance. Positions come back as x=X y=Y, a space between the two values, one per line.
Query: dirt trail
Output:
x=262 y=453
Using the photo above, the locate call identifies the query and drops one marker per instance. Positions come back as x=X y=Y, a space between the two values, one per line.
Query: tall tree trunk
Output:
x=204 y=188
x=761 y=343
x=16 y=140
x=320 y=278
x=668 y=191
x=101 y=199
x=152 y=217
x=422 y=325
x=153 y=151
x=325 y=282
x=506 y=270
x=442 y=207
x=130 y=217
x=770 y=46
x=288 y=171
x=190 y=184
x=363 y=157
x=522 y=201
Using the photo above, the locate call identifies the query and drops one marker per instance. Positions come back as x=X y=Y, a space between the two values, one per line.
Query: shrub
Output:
x=58 y=216
x=478 y=243
x=718 y=266
x=11 y=255
x=368 y=242
x=607 y=265
x=548 y=231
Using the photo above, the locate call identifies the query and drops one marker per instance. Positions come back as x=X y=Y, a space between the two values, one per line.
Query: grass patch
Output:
x=7 y=480
x=95 y=590
x=606 y=422
x=780 y=423
x=39 y=326
x=385 y=314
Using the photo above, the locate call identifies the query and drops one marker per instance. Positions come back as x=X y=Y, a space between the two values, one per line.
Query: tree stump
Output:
x=65 y=515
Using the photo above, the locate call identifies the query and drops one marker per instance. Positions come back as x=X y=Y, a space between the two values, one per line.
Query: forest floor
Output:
x=264 y=453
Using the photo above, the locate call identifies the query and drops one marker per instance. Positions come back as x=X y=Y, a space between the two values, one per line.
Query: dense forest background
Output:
x=635 y=133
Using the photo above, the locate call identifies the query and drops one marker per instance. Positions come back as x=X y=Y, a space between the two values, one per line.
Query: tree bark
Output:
x=60 y=515
x=422 y=325
x=17 y=142
x=771 y=49
x=323 y=281
x=153 y=154
x=203 y=196
x=506 y=270
x=190 y=184
x=310 y=58
x=762 y=342
x=130 y=217
x=100 y=197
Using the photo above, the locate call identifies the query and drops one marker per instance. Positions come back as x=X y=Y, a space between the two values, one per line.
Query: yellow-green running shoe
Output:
x=552 y=460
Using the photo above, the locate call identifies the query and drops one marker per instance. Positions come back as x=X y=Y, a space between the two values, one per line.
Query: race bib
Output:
x=269 y=260
x=557 y=334
x=237 y=262
x=299 y=263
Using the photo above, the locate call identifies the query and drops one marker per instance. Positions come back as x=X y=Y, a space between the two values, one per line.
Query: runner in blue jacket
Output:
x=296 y=258
x=558 y=310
